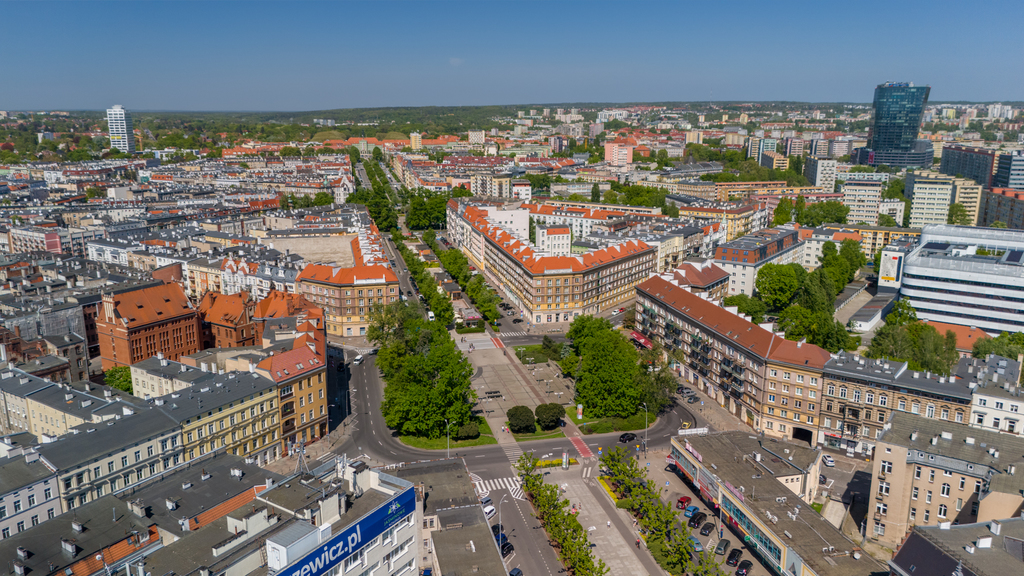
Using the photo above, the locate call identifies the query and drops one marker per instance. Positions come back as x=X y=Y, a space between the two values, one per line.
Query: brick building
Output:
x=133 y=326
x=227 y=320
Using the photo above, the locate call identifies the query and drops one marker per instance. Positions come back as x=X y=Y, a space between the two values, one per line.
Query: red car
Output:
x=682 y=503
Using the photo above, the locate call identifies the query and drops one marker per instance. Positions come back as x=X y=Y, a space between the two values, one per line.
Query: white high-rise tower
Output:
x=119 y=125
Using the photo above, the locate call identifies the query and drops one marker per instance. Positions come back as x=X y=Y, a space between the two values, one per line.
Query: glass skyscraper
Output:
x=899 y=107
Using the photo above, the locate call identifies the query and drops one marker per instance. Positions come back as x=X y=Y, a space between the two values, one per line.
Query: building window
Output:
x=917 y=472
x=959 y=504
x=886 y=467
x=879 y=528
x=931 y=475
x=944 y=414
x=842 y=392
x=913 y=494
x=883 y=400
x=902 y=405
x=927 y=516
x=942 y=510
x=945 y=490
x=882 y=508
x=913 y=514
x=883 y=488
x=928 y=496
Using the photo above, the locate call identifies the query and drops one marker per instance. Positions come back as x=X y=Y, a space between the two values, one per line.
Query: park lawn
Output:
x=535 y=351
x=486 y=437
x=591 y=425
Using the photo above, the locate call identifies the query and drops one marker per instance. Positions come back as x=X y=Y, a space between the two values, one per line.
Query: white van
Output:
x=430 y=315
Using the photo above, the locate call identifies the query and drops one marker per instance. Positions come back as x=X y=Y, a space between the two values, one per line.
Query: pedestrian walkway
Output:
x=480 y=342
x=512 y=484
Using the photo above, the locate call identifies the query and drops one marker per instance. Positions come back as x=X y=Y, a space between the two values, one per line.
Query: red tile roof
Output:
x=149 y=305
x=290 y=364
x=224 y=309
x=362 y=274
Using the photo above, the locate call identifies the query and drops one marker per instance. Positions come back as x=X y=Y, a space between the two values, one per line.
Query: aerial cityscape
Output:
x=329 y=289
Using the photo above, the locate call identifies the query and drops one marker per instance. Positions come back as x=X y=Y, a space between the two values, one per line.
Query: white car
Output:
x=358 y=360
x=489 y=512
x=828 y=461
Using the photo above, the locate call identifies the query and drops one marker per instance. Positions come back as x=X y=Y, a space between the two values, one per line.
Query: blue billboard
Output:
x=342 y=545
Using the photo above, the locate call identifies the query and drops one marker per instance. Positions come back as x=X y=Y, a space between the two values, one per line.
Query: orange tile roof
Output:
x=149 y=305
x=291 y=364
x=966 y=336
x=346 y=276
x=224 y=309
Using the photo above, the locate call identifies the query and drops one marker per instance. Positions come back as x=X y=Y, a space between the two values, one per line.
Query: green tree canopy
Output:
x=119 y=377
x=746 y=305
x=776 y=284
x=958 y=215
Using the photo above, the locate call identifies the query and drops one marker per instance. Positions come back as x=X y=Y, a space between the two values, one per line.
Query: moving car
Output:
x=744 y=568
x=358 y=360
x=828 y=461
x=697 y=519
x=734 y=557
x=490 y=512
x=627 y=437
x=723 y=546
x=683 y=502
x=691 y=510
x=707 y=528
x=506 y=549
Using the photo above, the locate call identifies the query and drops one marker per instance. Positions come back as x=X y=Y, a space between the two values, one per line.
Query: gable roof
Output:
x=224 y=309
x=149 y=305
x=291 y=364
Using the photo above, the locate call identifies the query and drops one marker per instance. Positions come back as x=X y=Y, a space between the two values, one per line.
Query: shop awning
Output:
x=642 y=340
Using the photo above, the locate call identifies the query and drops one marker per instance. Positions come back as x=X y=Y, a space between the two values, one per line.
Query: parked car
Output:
x=358 y=360
x=723 y=546
x=497 y=529
x=683 y=502
x=697 y=546
x=515 y=572
x=627 y=437
x=486 y=501
x=744 y=568
x=690 y=511
x=734 y=557
x=828 y=461
x=697 y=519
x=707 y=528
x=822 y=479
x=692 y=399
x=517 y=320
x=490 y=512
x=501 y=538
x=506 y=549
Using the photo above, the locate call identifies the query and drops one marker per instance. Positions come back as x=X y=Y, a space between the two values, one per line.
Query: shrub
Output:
x=521 y=420
x=548 y=415
x=469 y=431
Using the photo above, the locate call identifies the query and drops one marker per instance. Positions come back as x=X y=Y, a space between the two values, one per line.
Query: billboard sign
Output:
x=333 y=552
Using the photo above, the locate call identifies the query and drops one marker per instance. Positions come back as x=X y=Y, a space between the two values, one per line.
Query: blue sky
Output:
x=322 y=55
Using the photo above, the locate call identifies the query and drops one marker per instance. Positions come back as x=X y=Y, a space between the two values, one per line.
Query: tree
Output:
x=595 y=193
x=119 y=377
x=93 y=192
x=548 y=415
x=521 y=420
x=776 y=284
x=282 y=201
x=958 y=215
x=605 y=383
x=746 y=305
x=997 y=224
x=582 y=331
x=783 y=212
x=1006 y=345
x=290 y=151
x=323 y=199
x=902 y=314
x=830 y=212
x=887 y=221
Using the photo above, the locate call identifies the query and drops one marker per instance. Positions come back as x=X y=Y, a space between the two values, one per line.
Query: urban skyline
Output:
x=374 y=56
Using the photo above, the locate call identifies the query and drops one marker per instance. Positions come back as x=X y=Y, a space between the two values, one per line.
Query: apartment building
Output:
x=347 y=295
x=975 y=163
x=157 y=376
x=227 y=320
x=996 y=402
x=28 y=496
x=554 y=240
x=863 y=199
x=135 y=325
x=744 y=257
x=770 y=383
x=926 y=472
x=618 y=153
x=930 y=196
x=554 y=288
x=703 y=278
x=1010 y=171
x=739 y=218
x=39 y=239
x=872 y=238
x=814 y=244
x=860 y=393
x=300 y=375
x=112 y=456
x=821 y=172
x=894 y=208
x=204 y=275
x=1004 y=205
x=56 y=409
x=774 y=160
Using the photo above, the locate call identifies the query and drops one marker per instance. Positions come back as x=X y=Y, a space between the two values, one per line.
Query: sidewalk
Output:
x=317 y=453
x=712 y=414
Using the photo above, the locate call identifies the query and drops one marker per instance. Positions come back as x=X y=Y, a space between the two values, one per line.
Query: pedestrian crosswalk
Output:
x=485 y=487
x=588 y=471
x=512 y=451
x=520 y=333
x=581 y=447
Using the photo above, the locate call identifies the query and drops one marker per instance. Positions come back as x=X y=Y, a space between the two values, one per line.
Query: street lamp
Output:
x=499 y=512
x=447 y=433
x=645 y=427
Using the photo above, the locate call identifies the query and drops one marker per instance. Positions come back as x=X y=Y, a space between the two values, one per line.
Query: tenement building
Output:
x=133 y=326
x=928 y=472
x=770 y=383
x=744 y=257
x=347 y=295
x=861 y=393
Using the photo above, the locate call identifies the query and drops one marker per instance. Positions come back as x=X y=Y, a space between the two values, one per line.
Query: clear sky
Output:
x=297 y=56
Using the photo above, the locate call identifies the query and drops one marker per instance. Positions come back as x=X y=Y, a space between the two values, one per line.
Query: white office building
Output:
x=821 y=172
x=119 y=126
x=930 y=197
x=863 y=199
